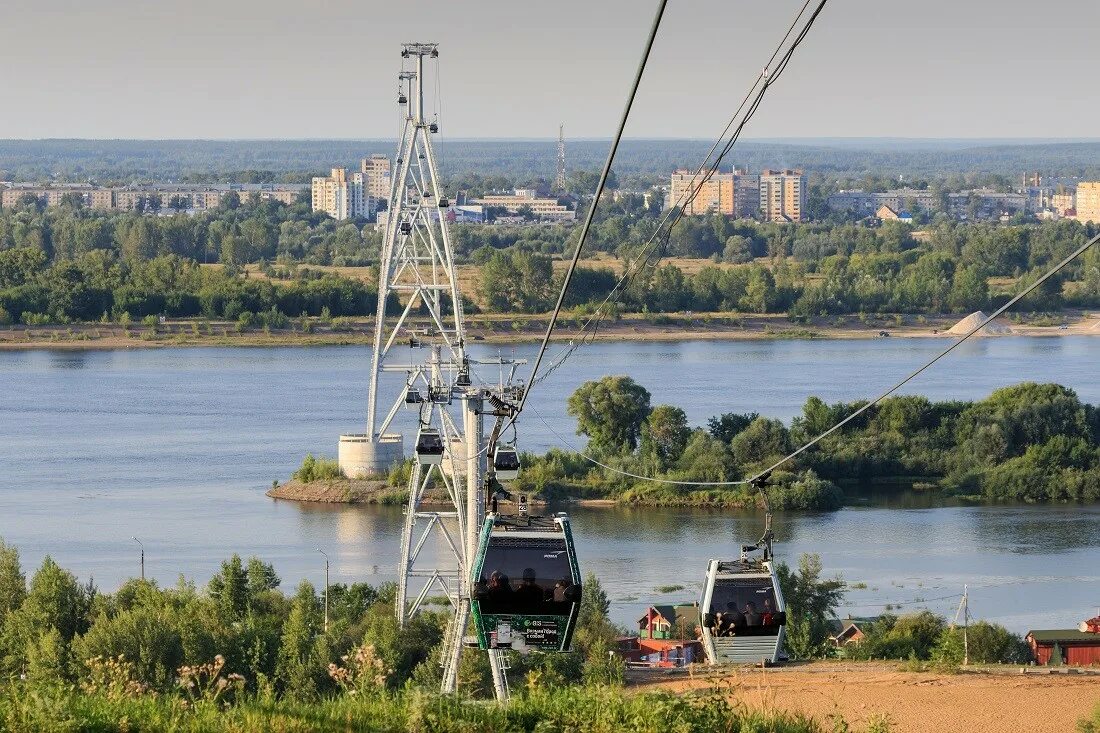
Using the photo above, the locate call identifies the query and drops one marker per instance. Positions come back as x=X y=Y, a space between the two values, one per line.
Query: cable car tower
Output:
x=420 y=307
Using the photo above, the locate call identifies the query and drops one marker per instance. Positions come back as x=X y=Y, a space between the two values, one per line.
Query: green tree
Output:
x=810 y=603
x=299 y=667
x=764 y=439
x=229 y=588
x=13 y=583
x=665 y=433
x=610 y=412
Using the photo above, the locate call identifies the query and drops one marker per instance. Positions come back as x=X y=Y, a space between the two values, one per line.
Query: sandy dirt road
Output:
x=912 y=702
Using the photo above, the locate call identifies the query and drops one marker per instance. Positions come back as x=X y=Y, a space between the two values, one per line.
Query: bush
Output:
x=318 y=469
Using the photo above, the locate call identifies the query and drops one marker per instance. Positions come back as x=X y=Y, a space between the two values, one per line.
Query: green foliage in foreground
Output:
x=318 y=469
x=592 y=708
x=241 y=656
x=1092 y=723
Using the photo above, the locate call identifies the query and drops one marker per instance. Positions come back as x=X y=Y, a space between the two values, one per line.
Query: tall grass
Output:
x=596 y=709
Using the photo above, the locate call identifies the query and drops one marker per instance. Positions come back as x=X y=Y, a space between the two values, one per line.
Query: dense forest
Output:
x=69 y=264
x=1030 y=442
x=637 y=162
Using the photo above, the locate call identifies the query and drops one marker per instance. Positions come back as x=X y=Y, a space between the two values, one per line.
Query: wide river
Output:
x=176 y=447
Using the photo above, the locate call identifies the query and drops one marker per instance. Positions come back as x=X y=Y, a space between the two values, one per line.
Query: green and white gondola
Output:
x=743 y=612
x=528 y=589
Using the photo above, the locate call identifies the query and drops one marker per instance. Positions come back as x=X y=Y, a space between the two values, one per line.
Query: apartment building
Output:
x=1088 y=201
x=376 y=175
x=1064 y=203
x=543 y=208
x=732 y=194
x=865 y=203
x=746 y=195
x=342 y=196
x=985 y=203
x=783 y=195
x=131 y=198
x=715 y=195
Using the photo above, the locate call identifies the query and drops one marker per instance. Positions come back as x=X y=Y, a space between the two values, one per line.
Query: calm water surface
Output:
x=177 y=446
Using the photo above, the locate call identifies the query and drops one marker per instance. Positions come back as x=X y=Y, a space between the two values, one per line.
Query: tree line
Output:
x=1029 y=442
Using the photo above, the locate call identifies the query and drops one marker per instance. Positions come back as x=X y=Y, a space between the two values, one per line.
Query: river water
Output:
x=176 y=447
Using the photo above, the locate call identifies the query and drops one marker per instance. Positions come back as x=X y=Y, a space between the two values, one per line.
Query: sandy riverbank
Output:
x=521 y=329
x=357 y=491
x=992 y=701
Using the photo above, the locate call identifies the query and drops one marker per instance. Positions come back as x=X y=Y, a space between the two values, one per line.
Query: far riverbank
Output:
x=519 y=329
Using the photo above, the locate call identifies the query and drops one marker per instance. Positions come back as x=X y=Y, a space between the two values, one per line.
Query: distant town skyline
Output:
x=326 y=70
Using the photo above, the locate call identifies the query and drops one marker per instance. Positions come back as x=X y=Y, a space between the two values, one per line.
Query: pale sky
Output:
x=327 y=68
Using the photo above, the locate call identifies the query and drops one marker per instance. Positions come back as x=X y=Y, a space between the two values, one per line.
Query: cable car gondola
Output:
x=528 y=592
x=743 y=611
x=506 y=462
x=429 y=447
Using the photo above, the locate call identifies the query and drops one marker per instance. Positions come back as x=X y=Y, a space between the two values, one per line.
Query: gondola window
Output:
x=527 y=577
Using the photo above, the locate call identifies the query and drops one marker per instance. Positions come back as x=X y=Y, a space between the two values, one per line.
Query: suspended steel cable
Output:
x=676 y=211
x=912 y=375
x=595 y=202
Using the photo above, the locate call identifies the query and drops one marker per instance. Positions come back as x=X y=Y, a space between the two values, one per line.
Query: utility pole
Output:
x=964 y=611
x=326 y=589
x=135 y=539
x=966 y=622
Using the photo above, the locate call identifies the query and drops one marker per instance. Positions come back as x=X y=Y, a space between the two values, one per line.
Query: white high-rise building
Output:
x=376 y=170
x=343 y=196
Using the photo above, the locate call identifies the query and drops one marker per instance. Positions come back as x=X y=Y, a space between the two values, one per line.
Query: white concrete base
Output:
x=361 y=457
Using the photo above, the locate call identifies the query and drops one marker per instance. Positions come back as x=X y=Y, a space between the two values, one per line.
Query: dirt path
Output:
x=914 y=702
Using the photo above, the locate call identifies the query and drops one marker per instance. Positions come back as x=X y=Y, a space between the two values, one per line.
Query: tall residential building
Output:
x=746 y=194
x=716 y=194
x=342 y=196
x=376 y=173
x=783 y=195
x=1088 y=201
x=1063 y=202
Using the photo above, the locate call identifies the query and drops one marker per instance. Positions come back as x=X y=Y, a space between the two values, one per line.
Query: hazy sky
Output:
x=327 y=68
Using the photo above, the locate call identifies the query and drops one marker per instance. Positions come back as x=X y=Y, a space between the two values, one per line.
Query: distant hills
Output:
x=125 y=160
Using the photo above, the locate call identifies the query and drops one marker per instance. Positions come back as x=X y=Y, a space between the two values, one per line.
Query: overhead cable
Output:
x=912 y=375
x=675 y=212
x=595 y=201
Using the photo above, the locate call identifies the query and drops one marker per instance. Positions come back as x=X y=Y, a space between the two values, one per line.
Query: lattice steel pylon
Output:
x=417 y=282
x=559 y=181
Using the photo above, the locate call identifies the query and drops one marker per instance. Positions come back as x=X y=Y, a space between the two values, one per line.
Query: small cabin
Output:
x=845 y=631
x=661 y=653
x=669 y=622
x=1078 y=647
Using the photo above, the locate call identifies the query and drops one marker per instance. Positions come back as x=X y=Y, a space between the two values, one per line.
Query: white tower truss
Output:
x=419 y=306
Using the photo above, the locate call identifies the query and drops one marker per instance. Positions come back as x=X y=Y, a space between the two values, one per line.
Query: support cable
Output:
x=595 y=201
x=912 y=375
x=676 y=212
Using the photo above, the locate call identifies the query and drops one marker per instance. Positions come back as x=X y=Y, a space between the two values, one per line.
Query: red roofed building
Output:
x=1073 y=647
x=658 y=652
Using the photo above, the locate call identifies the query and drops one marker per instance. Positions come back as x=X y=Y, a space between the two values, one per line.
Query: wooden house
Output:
x=1078 y=647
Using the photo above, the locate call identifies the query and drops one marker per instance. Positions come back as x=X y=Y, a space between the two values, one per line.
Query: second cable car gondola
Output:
x=743 y=611
x=506 y=462
x=429 y=446
x=528 y=589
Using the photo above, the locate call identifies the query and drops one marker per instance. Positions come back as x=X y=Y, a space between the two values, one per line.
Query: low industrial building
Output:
x=1078 y=647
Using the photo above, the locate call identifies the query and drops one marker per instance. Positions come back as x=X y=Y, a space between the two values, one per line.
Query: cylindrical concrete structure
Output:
x=361 y=457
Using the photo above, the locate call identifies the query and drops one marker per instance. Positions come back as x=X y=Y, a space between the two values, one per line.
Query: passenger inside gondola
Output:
x=744 y=608
x=544 y=586
x=529 y=595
